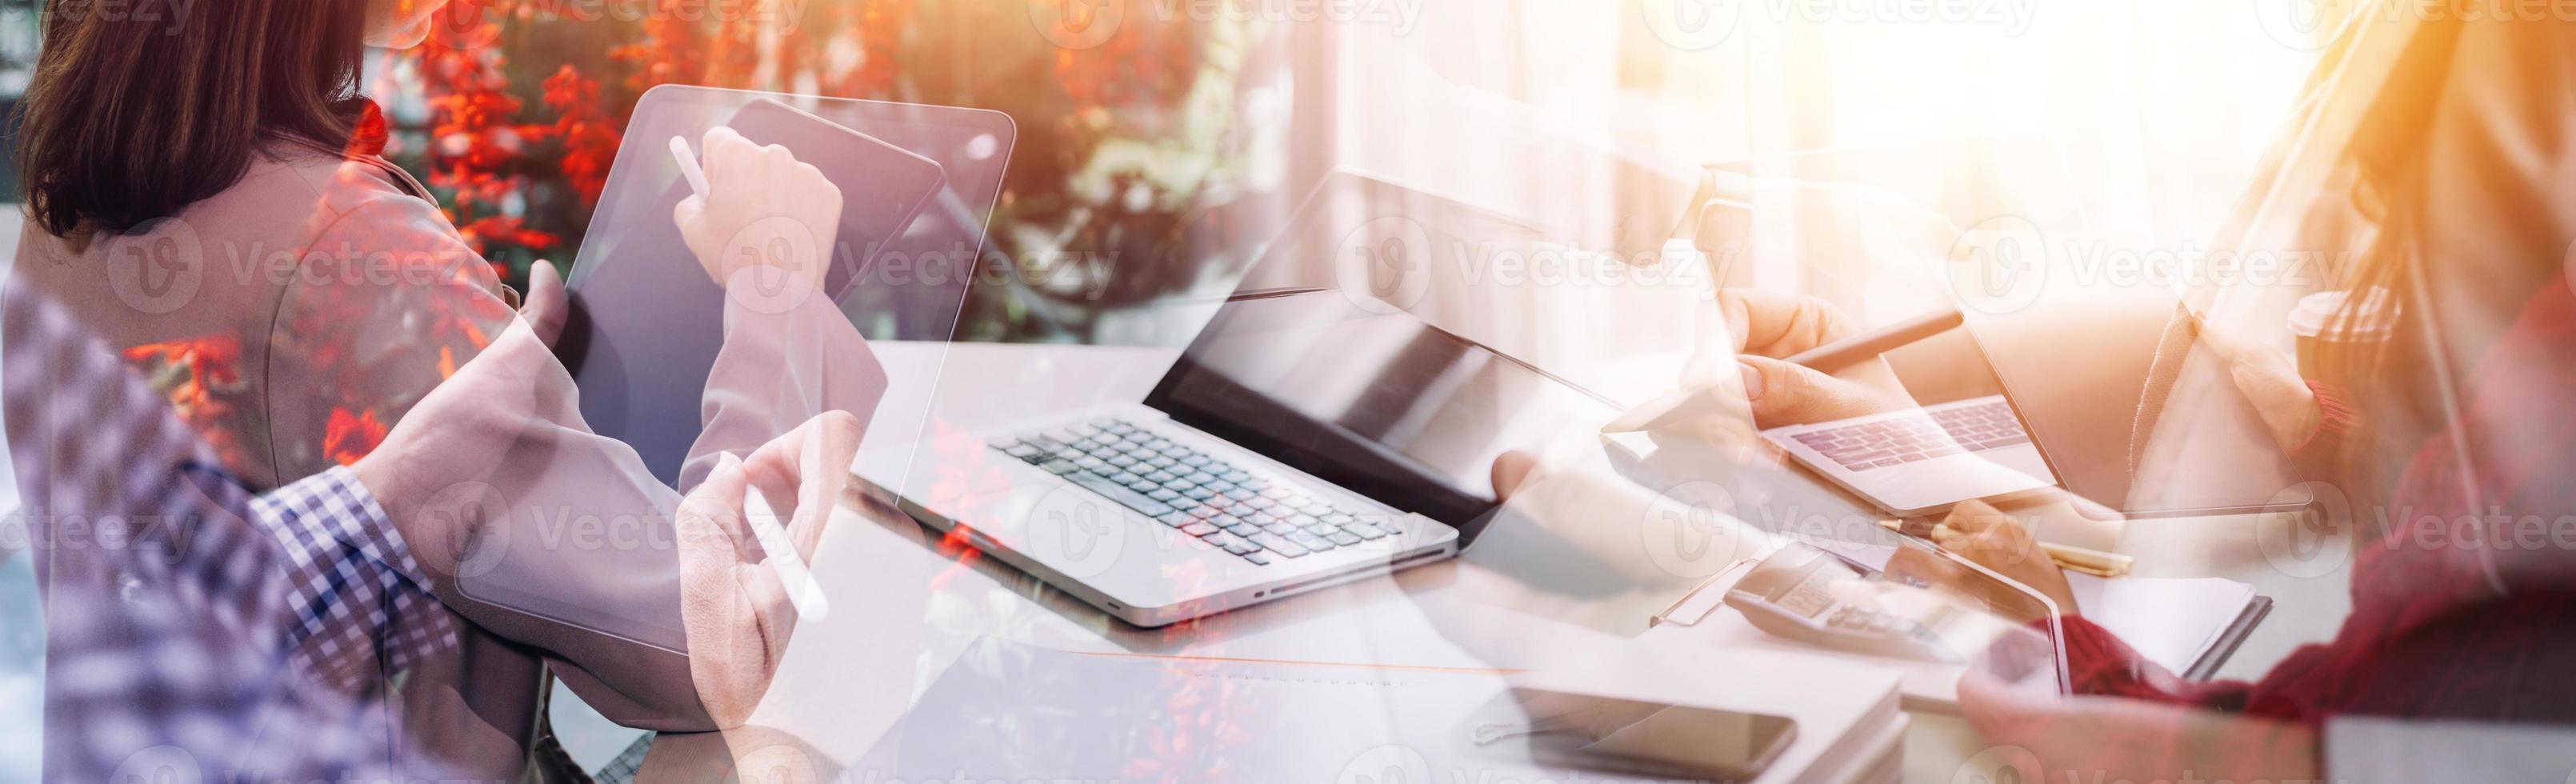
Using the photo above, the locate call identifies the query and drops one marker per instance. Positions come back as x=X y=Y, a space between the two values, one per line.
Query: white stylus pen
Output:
x=689 y=168
x=802 y=590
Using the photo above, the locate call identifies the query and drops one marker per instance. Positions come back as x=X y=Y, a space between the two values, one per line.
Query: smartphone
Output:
x=882 y=186
x=1602 y=734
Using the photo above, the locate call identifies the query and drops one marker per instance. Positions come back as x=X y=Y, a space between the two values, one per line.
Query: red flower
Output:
x=349 y=437
x=371 y=133
x=211 y=362
x=589 y=135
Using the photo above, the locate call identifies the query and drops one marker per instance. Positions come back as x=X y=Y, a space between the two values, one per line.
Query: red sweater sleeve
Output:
x=2337 y=420
x=2098 y=663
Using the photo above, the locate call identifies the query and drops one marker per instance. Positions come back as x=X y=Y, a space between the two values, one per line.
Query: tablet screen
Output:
x=1380 y=403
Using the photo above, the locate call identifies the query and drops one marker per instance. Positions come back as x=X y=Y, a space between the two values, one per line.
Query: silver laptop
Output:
x=1922 y=460
x=1302 y=441
x=2051 y=397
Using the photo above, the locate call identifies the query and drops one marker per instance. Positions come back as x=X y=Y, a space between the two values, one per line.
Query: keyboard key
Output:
x=1024 y=452
x=1257 y=559
x=1281 y=528
x=1061 y=467
x=1182 y=484
x=1195 y=460
x=1200 y=528
x=1121 y=461
x=1043 y=442
x=1262 y=503
x=1310 y=541
x=1365 y=531
x=1199 y=493
x=1112 y=491
x=1165 y=495
x=1302 y=520
x=1236 y=545
x=1343 y=539
x=1319 y=529
x=1241 y=493
x=1160 y=475
x=1279 y=544
x=1089 y=463
x=1162 y=462
x=1177 y=519
x=1243 y=529
x=1207 y=513
x=1338 y=518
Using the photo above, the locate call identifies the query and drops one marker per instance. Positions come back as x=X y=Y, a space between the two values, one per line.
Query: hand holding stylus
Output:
x=743 y=566
x=755 y=207
x=1771 y=328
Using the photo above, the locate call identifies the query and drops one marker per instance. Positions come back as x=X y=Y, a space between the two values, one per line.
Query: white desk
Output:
x=902 y=609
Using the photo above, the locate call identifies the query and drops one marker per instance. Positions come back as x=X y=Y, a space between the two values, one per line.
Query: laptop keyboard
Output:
x=1891 y=442
x=1263 y=520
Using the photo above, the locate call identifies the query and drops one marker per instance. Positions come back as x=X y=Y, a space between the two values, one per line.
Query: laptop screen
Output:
x=1379 y=403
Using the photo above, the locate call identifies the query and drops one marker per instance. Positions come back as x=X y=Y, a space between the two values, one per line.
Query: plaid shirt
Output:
x=197 y=633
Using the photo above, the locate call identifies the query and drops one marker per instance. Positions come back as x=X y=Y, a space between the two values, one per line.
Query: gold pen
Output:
x=2074 y=559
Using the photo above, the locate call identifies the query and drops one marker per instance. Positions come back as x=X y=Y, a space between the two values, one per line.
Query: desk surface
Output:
x=904 y=606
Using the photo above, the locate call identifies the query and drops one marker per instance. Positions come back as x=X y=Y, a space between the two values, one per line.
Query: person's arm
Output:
x=490 y=474
x=224 y=632
x=766 y=231
x=2373 y=749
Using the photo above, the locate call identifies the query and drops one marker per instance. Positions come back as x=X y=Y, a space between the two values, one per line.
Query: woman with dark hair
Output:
x=204 y=190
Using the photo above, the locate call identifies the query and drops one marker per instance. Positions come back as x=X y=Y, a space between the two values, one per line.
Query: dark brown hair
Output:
x=139 y=108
